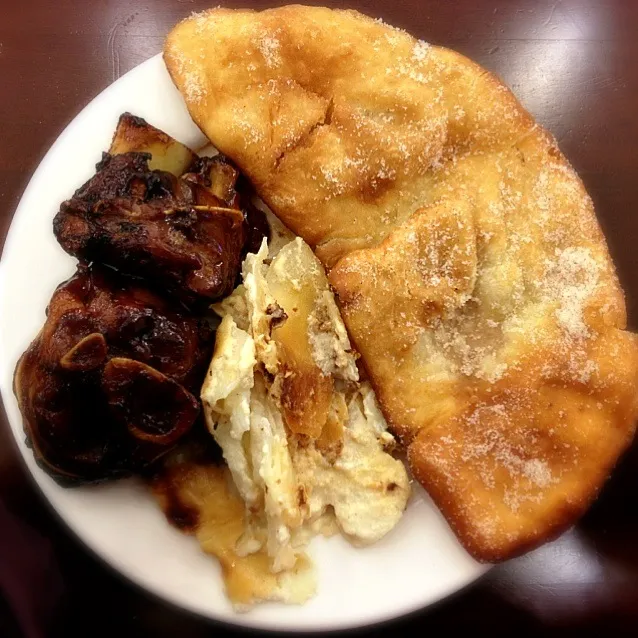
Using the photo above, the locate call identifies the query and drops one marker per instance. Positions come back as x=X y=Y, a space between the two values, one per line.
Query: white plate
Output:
x=417 y=564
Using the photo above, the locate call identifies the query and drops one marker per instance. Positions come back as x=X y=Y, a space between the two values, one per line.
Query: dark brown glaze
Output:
x=152 y=406
x=256 y=228
x=215 y=181
x=113 y=353
x=151 y=224
x=109 y=384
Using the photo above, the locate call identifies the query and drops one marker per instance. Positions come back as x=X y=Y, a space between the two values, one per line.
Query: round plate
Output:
x=417 y=564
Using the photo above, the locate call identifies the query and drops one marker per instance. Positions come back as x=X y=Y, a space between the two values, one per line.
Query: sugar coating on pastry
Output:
x=463 y=249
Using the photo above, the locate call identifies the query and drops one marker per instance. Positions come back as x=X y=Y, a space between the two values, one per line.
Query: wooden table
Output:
x=573 y=64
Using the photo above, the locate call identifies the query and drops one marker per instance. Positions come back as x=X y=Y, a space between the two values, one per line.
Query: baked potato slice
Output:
x=133 y=134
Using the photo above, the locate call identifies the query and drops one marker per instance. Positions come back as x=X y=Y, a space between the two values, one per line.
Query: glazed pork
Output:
x=109 y=385
x=185 y=235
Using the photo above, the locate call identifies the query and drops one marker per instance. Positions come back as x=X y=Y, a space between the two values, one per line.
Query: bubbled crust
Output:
x=469 y=266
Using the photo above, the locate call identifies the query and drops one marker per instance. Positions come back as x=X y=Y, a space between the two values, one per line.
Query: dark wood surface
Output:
x=573 y=64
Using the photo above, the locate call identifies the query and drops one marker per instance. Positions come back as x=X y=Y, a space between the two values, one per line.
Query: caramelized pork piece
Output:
x=108 y=385
x=215 y=182
x=185 y=235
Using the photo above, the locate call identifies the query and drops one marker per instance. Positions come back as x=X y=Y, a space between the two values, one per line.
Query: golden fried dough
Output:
x=469 y=267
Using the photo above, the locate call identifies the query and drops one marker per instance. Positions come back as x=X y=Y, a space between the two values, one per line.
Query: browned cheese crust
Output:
x=469 y=266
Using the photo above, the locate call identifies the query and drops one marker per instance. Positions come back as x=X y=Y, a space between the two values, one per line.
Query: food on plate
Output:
x=135 y=135
x=200 y=499
x=464 y=252
x=304 y=440
x=111 y=382
x=110 y=386
x=185 y=234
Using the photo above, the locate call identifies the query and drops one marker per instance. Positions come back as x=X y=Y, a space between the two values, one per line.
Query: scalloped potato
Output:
x=133 y=134
x=302 y=435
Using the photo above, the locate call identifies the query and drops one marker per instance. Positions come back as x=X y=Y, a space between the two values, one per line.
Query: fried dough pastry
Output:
x=465 y=253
